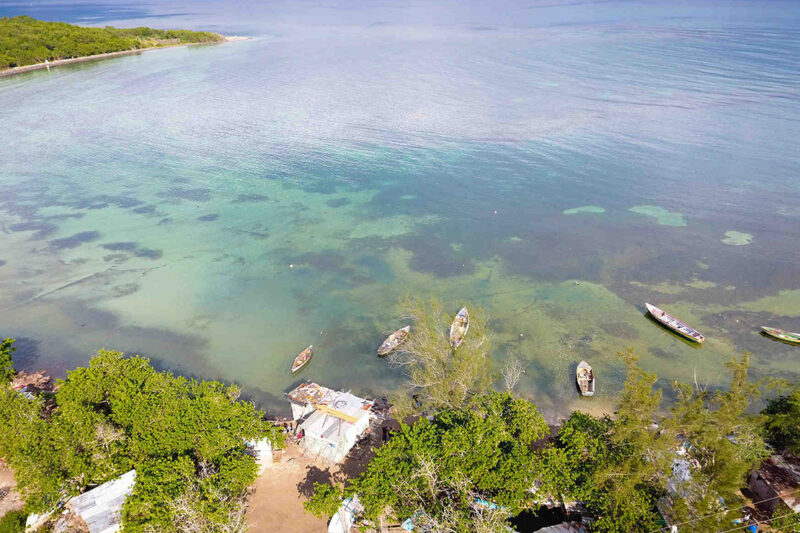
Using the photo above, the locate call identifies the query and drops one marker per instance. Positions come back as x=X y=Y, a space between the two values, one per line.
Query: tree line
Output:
x=185 y=438
x=471 y=457
x=27 y=41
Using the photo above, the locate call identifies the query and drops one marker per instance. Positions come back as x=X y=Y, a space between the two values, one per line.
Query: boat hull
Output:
x=675 y=325
x=459 y=328
x=781 y=335
x=393 y=341
x=302 y=359
x=584 y=376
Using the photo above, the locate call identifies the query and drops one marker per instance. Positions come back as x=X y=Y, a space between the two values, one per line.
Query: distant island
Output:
x=27 y=43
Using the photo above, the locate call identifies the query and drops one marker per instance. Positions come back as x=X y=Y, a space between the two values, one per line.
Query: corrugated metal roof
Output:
x=100 y=507
x=782 y=474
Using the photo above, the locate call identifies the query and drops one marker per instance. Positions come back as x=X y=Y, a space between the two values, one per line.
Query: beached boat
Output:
x=785 y=336
x=459 y=328
x=674 y=324
x=585 y=377
x=302 y=359
x=394 y=340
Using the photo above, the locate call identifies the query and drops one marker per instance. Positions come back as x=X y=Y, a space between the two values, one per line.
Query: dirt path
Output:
x=9 y=498
x=277 y=502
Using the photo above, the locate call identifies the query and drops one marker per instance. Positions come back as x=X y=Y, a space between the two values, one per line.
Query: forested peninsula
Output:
x=25 y=41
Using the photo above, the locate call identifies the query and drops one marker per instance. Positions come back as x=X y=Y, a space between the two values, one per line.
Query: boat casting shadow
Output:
x=684 y=340
x=776 y=339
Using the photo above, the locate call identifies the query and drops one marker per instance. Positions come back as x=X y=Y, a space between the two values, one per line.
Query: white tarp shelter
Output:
x=331 y=421
x=100 y=507
x=345 y=517
x=262 y=452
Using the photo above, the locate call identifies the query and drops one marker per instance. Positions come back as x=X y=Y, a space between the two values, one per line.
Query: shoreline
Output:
x=59 y=62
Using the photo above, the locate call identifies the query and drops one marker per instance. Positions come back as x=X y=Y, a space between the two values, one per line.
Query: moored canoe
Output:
x=780 y=334
x=394 y=340
x=679 y=327
x=459 y=328
x=585 y=378
x=302 y=359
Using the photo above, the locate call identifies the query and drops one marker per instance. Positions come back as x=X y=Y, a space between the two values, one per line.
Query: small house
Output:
x=101 y=507
x=329 y=422
x=778 y=480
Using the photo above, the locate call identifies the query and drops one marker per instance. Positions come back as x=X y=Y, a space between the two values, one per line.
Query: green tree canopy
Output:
x=6 y=364
x=782 y=421
x=26 y=41
x=726 y=441
x=436 y=468
x=185 y=438
x=616 y=467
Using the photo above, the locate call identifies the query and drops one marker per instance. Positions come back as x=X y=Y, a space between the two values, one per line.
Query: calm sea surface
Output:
x=556 y=163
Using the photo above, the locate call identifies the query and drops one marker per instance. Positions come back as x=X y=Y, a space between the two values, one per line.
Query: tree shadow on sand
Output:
x=313 y=475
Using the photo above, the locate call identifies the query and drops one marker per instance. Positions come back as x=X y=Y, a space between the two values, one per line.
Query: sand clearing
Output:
x=276 y=503
x=9 y=497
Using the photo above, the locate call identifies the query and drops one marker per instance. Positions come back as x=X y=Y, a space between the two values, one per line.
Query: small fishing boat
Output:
x=674 y=324
x=394 y=340
x=785 y=336
x=459 y=328
x=302 y=359
x=585 y=377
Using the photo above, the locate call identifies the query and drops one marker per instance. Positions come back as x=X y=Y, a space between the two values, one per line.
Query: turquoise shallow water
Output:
x=558 y=167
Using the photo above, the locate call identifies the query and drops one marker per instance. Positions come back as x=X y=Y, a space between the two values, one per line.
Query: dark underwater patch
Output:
x=164 y=221
x=250 y=198
x=148 y=253
x=337 y=202
x=121 y=246
x=125 y=290
x=2 y=262
x=73 y=241
x=193 y=195
x=115 y=258
x=665 y=354
x=325 y=261
x=145 y=210
x=42 y=229
x=133 y=247
x=377 y=267
x=104 y=200
x=208 y=218
x=433 y=256
x=619 y=329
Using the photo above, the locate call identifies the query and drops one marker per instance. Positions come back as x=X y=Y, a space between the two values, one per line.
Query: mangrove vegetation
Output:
x=468 y=458
x=185 y=438
x=27 y=41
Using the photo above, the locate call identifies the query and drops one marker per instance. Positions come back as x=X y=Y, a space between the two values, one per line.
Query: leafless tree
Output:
x=438 y=377
x=512 y=372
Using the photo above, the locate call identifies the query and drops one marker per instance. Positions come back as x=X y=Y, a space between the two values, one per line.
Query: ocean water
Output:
x=219 y=208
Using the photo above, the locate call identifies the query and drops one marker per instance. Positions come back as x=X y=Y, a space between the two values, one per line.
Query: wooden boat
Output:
x=459 y=328
x=585 y=377
x=674 y=324
x=302 y=359
x=785 y=336
x=394 y=340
